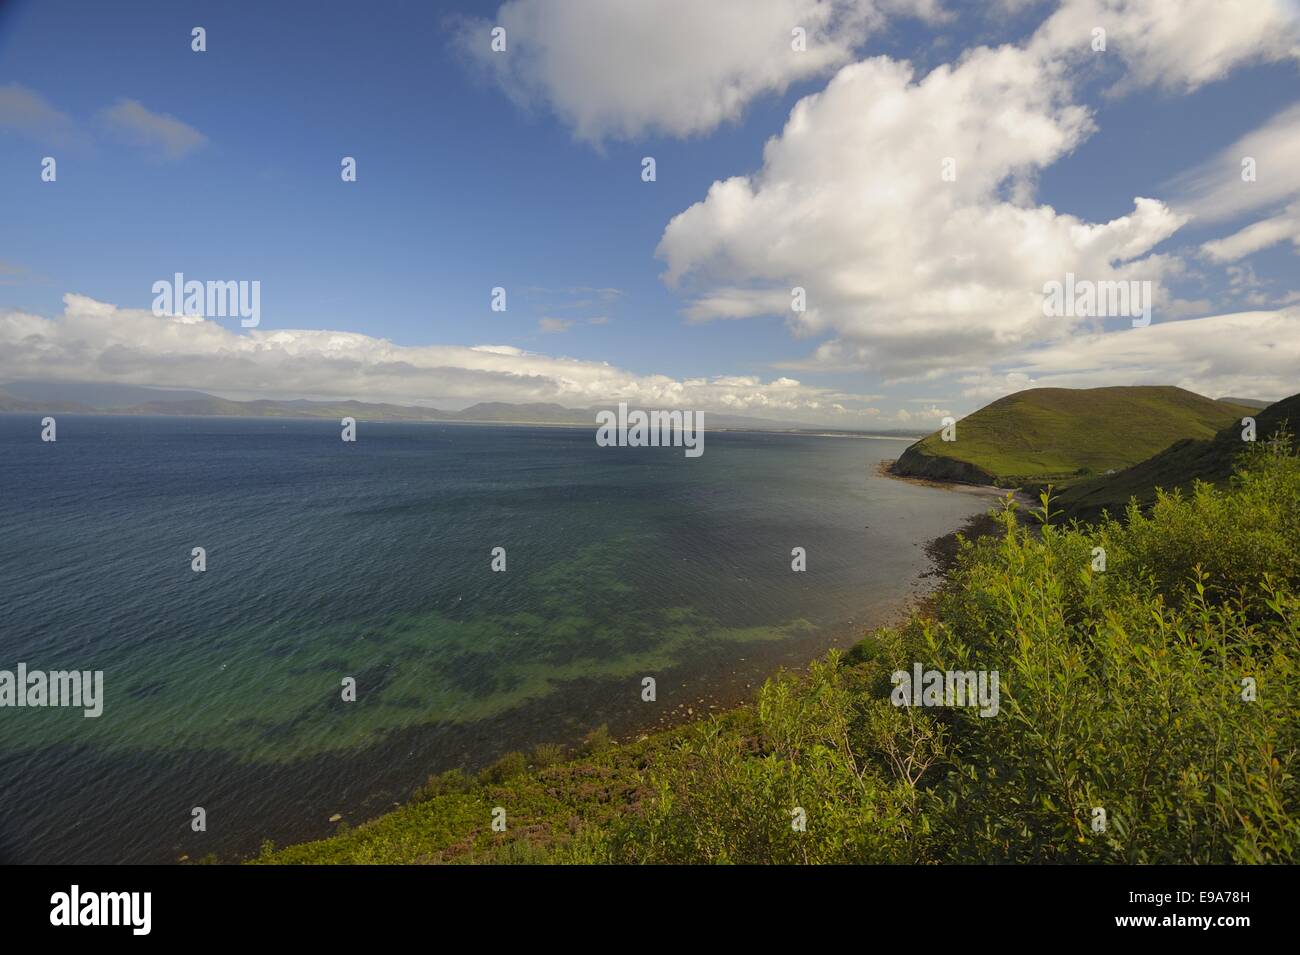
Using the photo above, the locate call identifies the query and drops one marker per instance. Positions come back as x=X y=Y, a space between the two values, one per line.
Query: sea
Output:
x=430 y=596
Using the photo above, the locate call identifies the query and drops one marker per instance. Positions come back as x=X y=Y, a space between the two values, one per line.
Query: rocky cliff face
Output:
x=914 y=462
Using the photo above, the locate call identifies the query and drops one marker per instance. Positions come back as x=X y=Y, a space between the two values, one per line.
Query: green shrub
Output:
x=509 y=766
x=547 y=754
x=452 y=781
x=597 y=741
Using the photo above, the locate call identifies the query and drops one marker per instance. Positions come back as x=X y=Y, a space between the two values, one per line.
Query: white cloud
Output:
x=97 y=341
x=166 y=137
x=624 y=68
x=1257 y=236
x=910 y=273
x=1248 y=354
x=1178 y=45
x=931 y=416
x=916 y=277
x=1214 y=191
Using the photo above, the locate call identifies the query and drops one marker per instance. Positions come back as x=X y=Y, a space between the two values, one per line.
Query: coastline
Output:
x=687 y=693
x=884 y=468
x=725 y=699
x=943 y=550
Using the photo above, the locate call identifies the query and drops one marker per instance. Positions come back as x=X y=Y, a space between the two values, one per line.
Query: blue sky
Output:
x=470 y=178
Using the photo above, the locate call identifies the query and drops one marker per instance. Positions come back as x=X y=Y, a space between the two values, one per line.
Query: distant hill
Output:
x=47 y=397
x=1245 y=402
x=1177 y=466
x=542 y=413
x=9 y=404
x=95 y=396
x=1062 y=434
x=212 y=405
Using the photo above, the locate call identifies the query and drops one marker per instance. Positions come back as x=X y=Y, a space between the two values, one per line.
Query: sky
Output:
x=922 y=170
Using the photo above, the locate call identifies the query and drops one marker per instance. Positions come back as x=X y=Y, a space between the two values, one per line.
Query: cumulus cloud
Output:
x=623 y=68
x=163 y=136
x=907 y=270
x=912 y=275
x=99 y=342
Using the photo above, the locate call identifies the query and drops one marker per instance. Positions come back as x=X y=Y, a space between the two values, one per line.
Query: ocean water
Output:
x=373 y=560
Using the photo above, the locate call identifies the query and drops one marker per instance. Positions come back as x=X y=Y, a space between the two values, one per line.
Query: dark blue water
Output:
x=372 y=560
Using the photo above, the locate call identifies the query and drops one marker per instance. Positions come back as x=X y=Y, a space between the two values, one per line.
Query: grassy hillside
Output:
x=1120 y=690
x=1177 y=466
x=1062 y=434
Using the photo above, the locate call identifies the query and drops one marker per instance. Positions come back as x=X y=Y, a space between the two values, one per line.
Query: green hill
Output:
x=1177 y=466
x=1061 y=434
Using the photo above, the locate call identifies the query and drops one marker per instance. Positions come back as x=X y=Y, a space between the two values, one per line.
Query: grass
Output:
x=1063 y=434
x=1178 y=466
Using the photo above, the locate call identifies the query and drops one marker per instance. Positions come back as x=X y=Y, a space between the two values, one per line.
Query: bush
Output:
x=1120 y=691
x=597 y=741
x=452 y=781
x=547 y=754
x=509 y=766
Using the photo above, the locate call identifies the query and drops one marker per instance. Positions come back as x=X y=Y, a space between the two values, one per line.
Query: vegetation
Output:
x=1060 y=434
x=1178 y=466
x=1163 y=689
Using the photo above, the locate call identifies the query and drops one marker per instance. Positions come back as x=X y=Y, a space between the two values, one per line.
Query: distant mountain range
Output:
x=48 y=397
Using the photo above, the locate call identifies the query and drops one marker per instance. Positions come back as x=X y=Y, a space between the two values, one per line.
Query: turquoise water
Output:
x=327 y=560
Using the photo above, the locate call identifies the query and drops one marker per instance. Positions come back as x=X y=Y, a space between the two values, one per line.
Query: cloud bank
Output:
x=99 y=342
